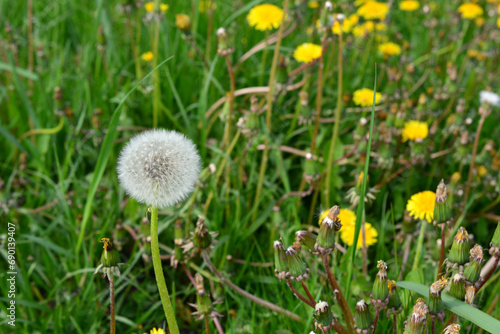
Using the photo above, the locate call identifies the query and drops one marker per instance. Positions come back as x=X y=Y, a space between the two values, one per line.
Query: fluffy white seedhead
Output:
x=489 y=97
x=159 y=167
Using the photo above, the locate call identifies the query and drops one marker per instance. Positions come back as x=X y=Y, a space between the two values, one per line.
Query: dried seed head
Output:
x=457 y=288
x=459 y=252
x=438 y=286
x=281 y=266
x=297 y=269
x=380 y=289
x=452 y=329
x=323 y=317
x=307 y=239
x=159 y=168
x=470 y=292
x=394 y=304
x=362 y=316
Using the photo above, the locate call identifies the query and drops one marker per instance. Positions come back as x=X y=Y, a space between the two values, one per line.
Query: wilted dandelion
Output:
x=409 y=5
x=470 y=10
x=421 y=205
x=265 y=17
x=147 y=56
x=373 y=10
x=415 y=131
x=307 y=52
x=159 y=168
x=389 y=49
x=364 y=97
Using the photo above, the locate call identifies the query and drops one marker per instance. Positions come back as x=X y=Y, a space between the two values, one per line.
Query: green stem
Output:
x=327 y=198
x=419 y=245
x=160 y=278
x=112 y=328
x=265 y=154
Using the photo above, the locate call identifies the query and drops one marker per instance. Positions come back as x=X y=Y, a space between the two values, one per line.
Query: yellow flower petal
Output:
x=421 y=205
x=265 y=17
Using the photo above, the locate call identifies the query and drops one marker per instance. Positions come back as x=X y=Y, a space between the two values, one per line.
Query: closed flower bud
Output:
x=297 y=269
x=442 y=212
x=452 y=329
x=362 y=316
x=281 y=266
x=416 y=324
x=380 y=289
x=457 y=288
x=307 y=239
x=326 y=236
x=394 y=304
x=311 y=170
x=223 y=47
x=459 y=252
x=436 y=307
x=323 y=317
x=203 y=302
x=473 y=270
x=109 y=260
x=202 y=238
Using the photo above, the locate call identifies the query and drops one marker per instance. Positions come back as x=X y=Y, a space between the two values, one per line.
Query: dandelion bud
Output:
x=201 y=238
x=159 y=168
x=442 y=212
x=323 y=317
x=183 y=22
x=416 y=324
x=109 y=259
x=457 y=288
x=362 y=316
x=495 y=241
x=203 y=302
x=380 y=288
x=394 y=304
x=436 y=307
x=459 y=252
x=281 y=266
x=307 y=239
x=311 y=170
x=452 y=329
x=223 y=47
x=297 y=269
x=326 y=237
x=473 y=270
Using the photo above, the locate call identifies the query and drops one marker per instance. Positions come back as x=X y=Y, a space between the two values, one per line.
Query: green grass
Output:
x=61 y=189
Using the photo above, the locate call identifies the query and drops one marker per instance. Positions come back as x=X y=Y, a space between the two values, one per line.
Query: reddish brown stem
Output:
x=394 y=323
x=186 y=270
x=375 y=322
x=346 y=311
x=298 y=295
x=311 y=298
x=112 y=304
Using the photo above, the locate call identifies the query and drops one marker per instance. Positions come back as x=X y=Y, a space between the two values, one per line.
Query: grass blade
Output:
x=361 y=205
x=478 y=317
x=104 y=156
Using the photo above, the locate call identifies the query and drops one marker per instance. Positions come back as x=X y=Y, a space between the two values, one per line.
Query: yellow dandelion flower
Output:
x=156 y=331
x=204 y=5
x=389 y=49
x=150 y=7
x=182 y=22
x=313 y=4
x=381 y=26
x=455 y=177
x=369 y=26
x=415 y=130
x=373 y=10
x=347 y=235
x=359 y=31
x=364 y=97
x=470 y=10
x=354 y=18
x=480 y=21
x=498 y=22
x=409 y=5
x=307 y=52
x=265 y=17
x=481 y=171
x=421 y=205
x=147 y=56
x=346 y=26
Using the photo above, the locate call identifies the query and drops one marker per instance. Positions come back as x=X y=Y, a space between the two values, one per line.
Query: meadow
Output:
x=230 y=166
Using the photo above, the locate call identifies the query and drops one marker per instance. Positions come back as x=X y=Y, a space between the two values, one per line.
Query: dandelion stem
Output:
x=112 y=304
x=375 y=322
x=441 y=256
x=311 y=298
x=207 y=327
x=218 y=326
x=433 y=325
x=420 y=242
x=336 y=126
x=346 y=311
x=160 y=278
x=394 y=323
x=488 y=275
x=298 y=295
x=265 y=154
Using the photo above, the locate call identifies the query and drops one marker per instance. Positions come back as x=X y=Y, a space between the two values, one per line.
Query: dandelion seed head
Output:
x=159 y=167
